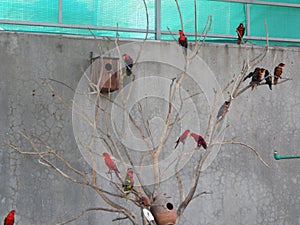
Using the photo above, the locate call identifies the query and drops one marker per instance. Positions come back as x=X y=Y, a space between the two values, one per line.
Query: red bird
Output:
x=129 y=64
x=10 y=218
x=110 y=164
x=278 y=72
x=200 y=140
x=182 y=137
x=182 y=40
x=240 y=31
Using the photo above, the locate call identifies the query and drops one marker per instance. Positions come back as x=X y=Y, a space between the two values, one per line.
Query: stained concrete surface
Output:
x=244 y=191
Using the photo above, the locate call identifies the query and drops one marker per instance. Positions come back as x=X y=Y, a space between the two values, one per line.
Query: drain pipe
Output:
x=278 y=157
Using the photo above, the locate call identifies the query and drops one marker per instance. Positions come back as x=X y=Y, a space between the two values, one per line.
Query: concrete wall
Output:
x=244 y=191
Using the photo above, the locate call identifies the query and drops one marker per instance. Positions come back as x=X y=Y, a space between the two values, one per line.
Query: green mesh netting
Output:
x=282 y=21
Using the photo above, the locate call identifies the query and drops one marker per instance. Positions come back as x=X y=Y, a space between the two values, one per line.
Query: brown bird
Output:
x=240 y=32
x=223 y=110
x=257 y=78
x=268 y=79
x=278 y=72
x=251 y=74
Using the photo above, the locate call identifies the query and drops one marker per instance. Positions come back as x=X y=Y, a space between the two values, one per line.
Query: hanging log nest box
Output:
x=105 y=73
x=163 y=210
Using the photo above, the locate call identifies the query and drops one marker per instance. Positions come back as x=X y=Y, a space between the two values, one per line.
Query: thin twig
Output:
x=246 y=145
x=88 y=210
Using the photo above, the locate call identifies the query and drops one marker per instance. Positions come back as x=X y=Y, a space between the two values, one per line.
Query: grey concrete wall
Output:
x=244 y=191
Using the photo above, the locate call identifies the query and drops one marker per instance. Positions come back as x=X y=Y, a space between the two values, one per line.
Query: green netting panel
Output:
x=29 y=10
x=282 y=22
x=280 y=1
x=225 y=16
x=127 y=14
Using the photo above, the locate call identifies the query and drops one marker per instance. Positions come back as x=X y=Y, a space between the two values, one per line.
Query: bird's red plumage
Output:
x=200 y=140
x=182 y=40
x=10 y=218
x=109 y=163
x=182 y=137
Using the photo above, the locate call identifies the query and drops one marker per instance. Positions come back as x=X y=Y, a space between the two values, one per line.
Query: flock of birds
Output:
x=258 y=75
x=128 y=183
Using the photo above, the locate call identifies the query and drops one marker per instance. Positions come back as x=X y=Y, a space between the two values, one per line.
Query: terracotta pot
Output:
x=163 y=210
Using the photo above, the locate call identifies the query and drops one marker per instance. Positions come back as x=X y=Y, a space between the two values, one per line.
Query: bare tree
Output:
x=116 y=199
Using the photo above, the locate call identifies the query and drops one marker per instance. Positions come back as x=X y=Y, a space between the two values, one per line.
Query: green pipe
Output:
x=277 y=156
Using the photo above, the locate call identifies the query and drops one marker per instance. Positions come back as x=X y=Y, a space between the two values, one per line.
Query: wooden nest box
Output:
x=105 y=73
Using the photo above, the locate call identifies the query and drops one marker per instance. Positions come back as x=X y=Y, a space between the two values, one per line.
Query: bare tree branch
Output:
x=88 y=210
x=248 y=146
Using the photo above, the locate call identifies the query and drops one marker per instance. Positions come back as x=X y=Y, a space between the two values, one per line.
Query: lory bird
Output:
x=240 y=31
x=268 y=79
x=182 y=40
x=182 y=137
x=257 y=78
x=251 y=73
x=278 y=72
x=223 y=110
x=128 y=182
x=110 y=163
x=200 y=140
x=128 y=63
x=10 y=218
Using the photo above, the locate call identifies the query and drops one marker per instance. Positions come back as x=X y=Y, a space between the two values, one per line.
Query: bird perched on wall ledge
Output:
x=278 y=72
x=182 y=40
x=240 y=32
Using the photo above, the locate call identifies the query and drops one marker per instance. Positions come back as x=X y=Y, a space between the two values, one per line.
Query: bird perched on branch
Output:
x=110 y=164
x=128 y=182
x=278 y=72
x=182 y=40
x=200 y=140
x=128 y=64
x=223 y=110
x=268 y=79
x=257 y=78
x=182 y=137
x=240 y=32
x=10 y=218
x=146 y=201
x=251 y=74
